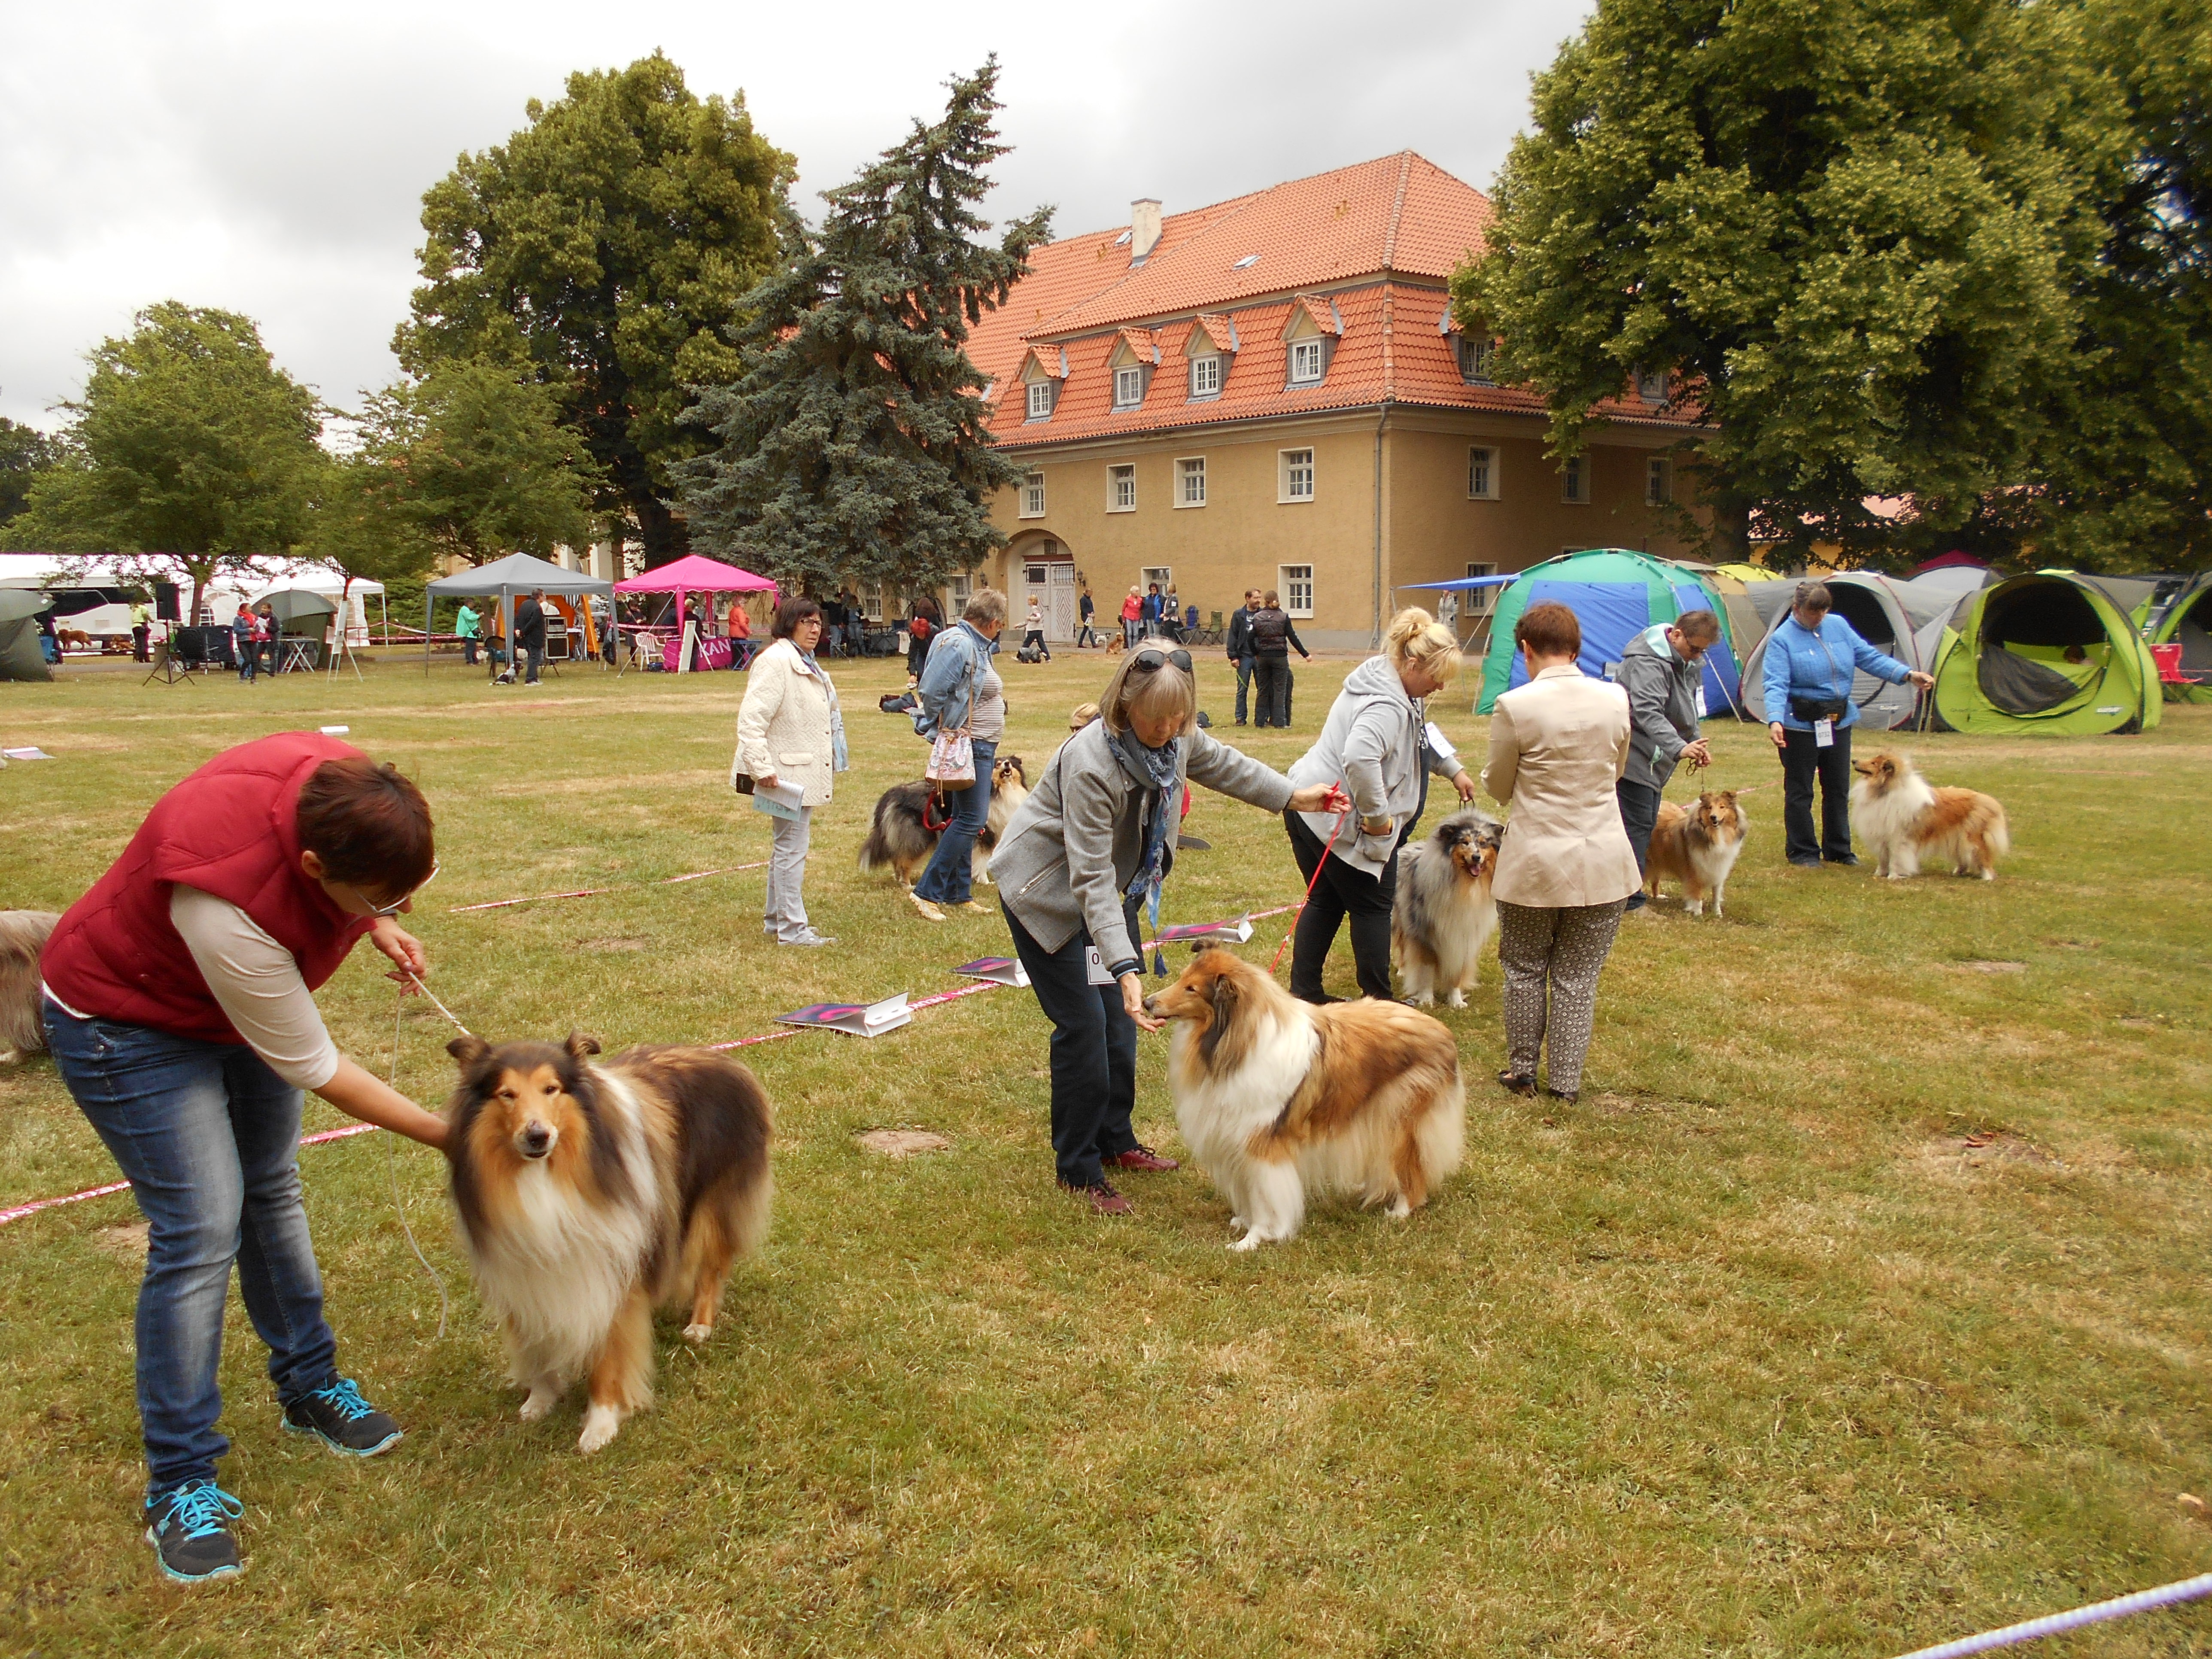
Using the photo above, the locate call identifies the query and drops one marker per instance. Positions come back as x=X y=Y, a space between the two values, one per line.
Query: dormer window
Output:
x=1128 y=386
x=1308 y=359
x=1205 y=377
x=1474 y=359
x=1042 y=395
x=1650 y=386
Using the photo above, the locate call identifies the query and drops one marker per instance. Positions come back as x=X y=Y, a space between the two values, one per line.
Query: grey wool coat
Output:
x=1075 y=843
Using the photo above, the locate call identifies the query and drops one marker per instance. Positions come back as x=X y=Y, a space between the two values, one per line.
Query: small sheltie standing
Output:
x=1274 y=1096
x=1903 y=820
x=1698 y=846
x=1443 y=914
x=588 y=1194
x=23 y=935
x=902 y=841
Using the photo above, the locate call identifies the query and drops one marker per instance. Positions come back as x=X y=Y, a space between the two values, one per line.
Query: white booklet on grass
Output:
x=995 y=970
x=868 y=1019
x=1235 y=931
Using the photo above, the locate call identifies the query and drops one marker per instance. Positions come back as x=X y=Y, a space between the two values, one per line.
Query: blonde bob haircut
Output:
x=1165 y=693
x=1414 y=639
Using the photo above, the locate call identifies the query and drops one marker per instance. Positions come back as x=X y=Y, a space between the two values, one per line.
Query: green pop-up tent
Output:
x=2054 y=652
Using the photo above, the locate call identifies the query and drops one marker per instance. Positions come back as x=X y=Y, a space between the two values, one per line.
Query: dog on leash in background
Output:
x=1443 y=914
x=1903 y=820
x=1698 y=846
x=1275 y=1097
x=901 y=839
x=23 y=934
x=588 y=1194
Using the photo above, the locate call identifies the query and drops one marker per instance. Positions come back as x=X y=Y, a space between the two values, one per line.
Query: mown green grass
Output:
x=1744 y=1354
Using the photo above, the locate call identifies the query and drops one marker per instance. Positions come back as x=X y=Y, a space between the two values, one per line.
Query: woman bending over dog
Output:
x=1094 y=839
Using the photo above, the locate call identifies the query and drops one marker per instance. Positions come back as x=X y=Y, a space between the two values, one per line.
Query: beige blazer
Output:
x=783 y=724
x=1557 y=746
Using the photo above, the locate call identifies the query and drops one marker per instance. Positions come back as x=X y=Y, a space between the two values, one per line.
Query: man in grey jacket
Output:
x=1660 y=669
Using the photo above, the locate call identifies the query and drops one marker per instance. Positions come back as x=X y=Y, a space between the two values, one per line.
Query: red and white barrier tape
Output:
x=593 y=892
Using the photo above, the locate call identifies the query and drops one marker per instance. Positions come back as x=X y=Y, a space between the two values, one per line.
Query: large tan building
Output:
x=1269 y=392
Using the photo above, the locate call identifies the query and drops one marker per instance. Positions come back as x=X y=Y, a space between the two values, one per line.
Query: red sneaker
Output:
x=1144 y=1157
x=1103 y=1198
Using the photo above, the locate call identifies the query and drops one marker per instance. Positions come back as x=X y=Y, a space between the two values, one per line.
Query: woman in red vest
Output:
x=179 y=1011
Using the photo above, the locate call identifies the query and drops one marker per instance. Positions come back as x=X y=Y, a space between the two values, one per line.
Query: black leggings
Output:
x=1341 y=891
x=1803 y=762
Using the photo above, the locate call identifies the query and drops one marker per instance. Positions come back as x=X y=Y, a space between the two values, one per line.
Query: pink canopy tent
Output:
x=694 y=575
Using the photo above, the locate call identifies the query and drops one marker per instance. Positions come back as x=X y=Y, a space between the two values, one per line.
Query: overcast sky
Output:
x=271 y=159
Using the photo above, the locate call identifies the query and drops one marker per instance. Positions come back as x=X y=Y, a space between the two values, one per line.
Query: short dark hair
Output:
x=1813 y=596
x=368 y=824
x=1550 y=629
x=1268 y=600
x=791 y=612
x=1699 y=627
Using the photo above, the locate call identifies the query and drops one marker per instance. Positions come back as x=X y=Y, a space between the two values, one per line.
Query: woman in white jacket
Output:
x=790 y=733
x=1373 y=741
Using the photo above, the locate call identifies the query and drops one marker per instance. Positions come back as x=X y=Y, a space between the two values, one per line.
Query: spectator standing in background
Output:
x=1273 y=641
x=469 y=628
x=265 y=635
x=241 y=643
x=925 y=625
x=142 y=632
x=1085 y=635
x=1132 y=611
x=1660 y=669
x=790 y=731
x=1240 y=648
x=530 y=634
x=959 y=690
x=1033 y=631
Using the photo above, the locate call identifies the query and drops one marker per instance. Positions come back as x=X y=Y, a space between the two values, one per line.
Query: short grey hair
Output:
x=985 y=606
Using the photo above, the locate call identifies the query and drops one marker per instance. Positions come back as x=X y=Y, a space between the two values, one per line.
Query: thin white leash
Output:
x=2165 y=1595
x=392 y=1147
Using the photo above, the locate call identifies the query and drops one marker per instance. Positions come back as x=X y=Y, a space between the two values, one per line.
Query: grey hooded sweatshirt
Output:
x=1662 y=707
x=1372 y=741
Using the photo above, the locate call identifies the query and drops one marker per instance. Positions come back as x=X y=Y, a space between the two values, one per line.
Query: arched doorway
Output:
x=1040 y=567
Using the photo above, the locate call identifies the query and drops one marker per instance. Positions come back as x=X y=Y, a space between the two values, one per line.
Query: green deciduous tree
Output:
x=1844 y=227
x=854 y=443
x=604 y=247
x=189 y=448
x=25 y=451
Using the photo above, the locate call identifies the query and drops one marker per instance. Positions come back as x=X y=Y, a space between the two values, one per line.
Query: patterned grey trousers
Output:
x=1552 y=959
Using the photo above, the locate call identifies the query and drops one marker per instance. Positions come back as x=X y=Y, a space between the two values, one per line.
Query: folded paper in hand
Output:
x=862 y=1019
x=998 y=970
x=779 y=799
x=1235 y=932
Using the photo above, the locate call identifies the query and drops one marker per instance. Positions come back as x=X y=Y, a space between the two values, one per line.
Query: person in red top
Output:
x=179 y=1007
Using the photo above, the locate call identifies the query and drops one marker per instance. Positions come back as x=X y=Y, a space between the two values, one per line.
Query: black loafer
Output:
x=1564 y=1100
x=1849 y=859
x=1516 y=1082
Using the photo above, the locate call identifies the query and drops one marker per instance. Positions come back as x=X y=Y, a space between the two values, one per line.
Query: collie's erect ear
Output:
x=1224 y=998
x=579 y=1045
x=468 y=1050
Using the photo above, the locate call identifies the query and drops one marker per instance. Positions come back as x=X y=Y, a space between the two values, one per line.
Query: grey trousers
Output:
x=786 y=870
x=1552 y=959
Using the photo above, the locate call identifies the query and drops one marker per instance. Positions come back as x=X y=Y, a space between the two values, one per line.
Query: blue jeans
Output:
x=1094 y=1052
x=208 y=1135
x=950 y=878
x=1244 y=684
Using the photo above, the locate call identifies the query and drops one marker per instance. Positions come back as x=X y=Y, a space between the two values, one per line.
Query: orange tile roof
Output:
x=1218 y=330
x=1141 y=345
x=1320 y=312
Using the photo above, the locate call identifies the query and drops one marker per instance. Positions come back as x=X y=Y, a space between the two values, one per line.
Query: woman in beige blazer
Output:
x=790 y=732
x=1557 y=747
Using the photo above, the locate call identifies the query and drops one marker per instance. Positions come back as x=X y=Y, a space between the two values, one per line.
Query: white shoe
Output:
x=809 y=937
x=925 y=906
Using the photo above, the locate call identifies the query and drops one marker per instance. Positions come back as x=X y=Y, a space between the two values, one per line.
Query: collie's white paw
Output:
x=1423 y=998
x=1693 y=907
x=985 y=881
x=1456 y=999
x=1249 y=1241
x=1238 y=1221
x=697 y=1333
x=599 y=1426
x=543 y=1399
x=1988 y=875
x=1399 y=1209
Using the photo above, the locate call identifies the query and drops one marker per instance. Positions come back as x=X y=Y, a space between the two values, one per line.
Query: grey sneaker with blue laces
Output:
x=338 y=1417
x=190 y=1531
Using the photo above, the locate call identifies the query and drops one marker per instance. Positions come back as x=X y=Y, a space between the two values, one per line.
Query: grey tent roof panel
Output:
x=518 y=573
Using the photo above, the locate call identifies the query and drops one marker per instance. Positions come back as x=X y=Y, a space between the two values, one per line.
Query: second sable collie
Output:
x=1443 y=914
x=22 y=935
x=1274 y=1096
x=1698 y=845
x=901 y=840
x=1903 y=820
x=588 y=1194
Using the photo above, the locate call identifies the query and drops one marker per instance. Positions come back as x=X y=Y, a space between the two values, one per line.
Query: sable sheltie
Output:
x=588 y=1194
x=1443 y=914
x=1274 y=1096
x=22 y=936
x=902 y=841
x=1698 y=846
x=1903 y=820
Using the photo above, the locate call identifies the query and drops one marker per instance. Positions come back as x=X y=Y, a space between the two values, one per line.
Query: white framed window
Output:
x=1190 y=481
x=1128 y=386
x=1295 y=583
x=1121 y=489
x=1658 y=480
x=1206 y=377
x=1041 y=399
x=1033 y=496
x=1474 y=359
x=1482 y=473
x=1478 y=601
x=1574 y=480
x=957 y=591
x=1651 y=387
x=872 y=601
x=1296 y=483
x=1307 y=357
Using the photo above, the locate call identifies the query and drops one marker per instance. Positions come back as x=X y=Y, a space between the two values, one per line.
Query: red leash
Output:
x=1342 y=818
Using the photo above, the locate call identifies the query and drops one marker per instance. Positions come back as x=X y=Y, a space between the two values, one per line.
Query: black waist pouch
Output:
x=1813 y=710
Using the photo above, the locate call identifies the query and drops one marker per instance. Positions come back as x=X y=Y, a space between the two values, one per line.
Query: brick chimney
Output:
x=1144 y=228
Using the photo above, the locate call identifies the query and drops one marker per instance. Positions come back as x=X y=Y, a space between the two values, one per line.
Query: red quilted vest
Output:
x=227 y=830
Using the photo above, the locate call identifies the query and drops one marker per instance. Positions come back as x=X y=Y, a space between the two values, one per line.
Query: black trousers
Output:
x=1342 y=892
x=1094 y=1052
x=1804 y=761
x=1271 y=687
x=1639 y=812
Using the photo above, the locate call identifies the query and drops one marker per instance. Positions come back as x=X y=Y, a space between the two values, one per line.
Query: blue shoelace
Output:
x=201 y=1510
x=345 y=1399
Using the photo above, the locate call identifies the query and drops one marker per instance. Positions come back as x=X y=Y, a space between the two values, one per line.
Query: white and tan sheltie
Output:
x=588 y=1194
x=1274 y=1096
x=901 y=841
x=23 y=934
x=1903 y=820
x=1443 y=914
x=1698 y=846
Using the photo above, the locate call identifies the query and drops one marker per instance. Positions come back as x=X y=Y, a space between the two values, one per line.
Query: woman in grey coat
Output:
x=1094 y=839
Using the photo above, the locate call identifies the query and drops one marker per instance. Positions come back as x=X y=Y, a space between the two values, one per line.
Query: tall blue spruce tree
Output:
x=854 y=444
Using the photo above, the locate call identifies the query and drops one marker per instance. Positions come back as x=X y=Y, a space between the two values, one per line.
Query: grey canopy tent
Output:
x=20 y=656
x=502 y=579
x=300 y=614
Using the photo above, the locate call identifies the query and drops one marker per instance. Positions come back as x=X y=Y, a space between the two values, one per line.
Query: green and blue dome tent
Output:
x=2054 y=652
x=1615 y=595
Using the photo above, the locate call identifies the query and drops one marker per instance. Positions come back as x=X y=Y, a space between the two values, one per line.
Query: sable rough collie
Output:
x=588 y=1194
x=1698 y=846
x=1903 y=821
x=23 y=934
x=1444 y=916
x=902 y=841
x=1274 y=1096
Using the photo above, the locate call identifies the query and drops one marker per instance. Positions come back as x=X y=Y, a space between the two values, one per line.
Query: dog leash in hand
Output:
x=435 y=1003
x=391 y=1148
x=1298 y=909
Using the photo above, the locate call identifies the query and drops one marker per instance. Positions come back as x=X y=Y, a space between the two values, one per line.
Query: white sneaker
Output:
x=810 y=937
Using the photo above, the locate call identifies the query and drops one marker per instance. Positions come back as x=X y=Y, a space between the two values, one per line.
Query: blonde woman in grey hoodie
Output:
x=1373 y=741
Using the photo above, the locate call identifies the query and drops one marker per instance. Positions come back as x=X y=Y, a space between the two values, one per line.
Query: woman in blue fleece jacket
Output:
x=1810 y=660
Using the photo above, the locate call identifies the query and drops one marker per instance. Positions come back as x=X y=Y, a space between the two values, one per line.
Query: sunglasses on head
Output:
x=1148 y=660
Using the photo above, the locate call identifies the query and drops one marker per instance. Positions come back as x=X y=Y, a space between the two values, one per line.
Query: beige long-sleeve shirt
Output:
x=1557 y=747
x=257 y=981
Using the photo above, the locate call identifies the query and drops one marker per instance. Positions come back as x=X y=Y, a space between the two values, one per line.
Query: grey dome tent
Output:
x=20 y=656
x=1902 y=619
x=504 y=579
x=300 y=614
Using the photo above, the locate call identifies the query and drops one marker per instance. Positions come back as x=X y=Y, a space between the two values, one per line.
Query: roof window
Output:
x=1246 y=263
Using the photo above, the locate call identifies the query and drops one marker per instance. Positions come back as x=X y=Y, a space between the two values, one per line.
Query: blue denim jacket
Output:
x=1818 y=668
x=956 y=659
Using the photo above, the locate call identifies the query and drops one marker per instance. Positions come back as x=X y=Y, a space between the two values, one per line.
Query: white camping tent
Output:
x=1902 y=619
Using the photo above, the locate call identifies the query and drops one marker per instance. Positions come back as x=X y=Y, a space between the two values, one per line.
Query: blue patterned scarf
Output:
x=1153 y=770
